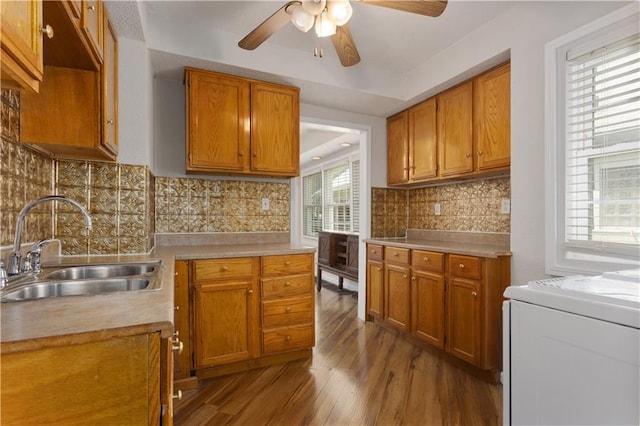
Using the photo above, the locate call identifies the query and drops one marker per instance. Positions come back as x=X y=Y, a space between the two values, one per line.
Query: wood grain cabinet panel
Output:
x=21 y=44
x=182 y=363
x=375 y=289
x=113 y=381
x=93 y=26
x=241 y=126
x=398 y=148
x=492 y=118
x=464 y=319
x=423 y=141
x=397 y=296
x=455 y=127
x=109 y=75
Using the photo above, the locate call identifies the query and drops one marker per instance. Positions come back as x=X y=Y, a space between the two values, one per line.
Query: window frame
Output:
x=566 y=258
x=321 y=168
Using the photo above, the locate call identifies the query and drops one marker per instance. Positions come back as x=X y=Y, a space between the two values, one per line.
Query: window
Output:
x=312 y=204
x=331 y=199
x=594 y=196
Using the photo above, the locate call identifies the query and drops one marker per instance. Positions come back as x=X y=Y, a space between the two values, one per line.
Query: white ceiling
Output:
x=392 y=44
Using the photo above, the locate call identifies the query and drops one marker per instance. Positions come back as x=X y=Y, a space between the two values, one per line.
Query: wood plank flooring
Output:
x=360 y=374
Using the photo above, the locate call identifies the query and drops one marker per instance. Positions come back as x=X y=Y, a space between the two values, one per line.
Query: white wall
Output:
x=169 y=128
x=135 y=103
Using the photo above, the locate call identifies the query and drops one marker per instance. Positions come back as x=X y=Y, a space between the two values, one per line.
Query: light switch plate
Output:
x=265 y=204
x=437 y=209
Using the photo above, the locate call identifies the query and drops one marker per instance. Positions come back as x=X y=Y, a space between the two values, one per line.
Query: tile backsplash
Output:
x=24 y=176
x=473 y=206
x=202 y=205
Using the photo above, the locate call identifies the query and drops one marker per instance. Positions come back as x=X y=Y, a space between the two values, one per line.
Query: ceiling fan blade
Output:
x=421 y=7
x=345 y=46
x=267 y=28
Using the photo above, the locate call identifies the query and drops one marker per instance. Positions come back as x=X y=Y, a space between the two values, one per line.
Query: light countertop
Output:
x=68 y=320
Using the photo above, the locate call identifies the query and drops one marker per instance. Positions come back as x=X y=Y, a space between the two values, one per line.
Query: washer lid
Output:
x=601 y=297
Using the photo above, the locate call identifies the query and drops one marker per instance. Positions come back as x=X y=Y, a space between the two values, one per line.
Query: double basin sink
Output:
x=84 y=280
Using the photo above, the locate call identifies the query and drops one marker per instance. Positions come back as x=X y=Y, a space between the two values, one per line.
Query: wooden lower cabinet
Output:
x=427 y=309
x=451 y=302
x=464 y=320
x=246 y=312
x=115 y=381
x=224 y=300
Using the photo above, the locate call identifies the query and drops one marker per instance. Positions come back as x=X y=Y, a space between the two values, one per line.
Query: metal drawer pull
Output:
x=287 y=284
x=178 y=395
x=474 y=294
x=427 y=260
x=224 y=268
x=287 y=309
x=288 y=338
x=287 y=263
x=461 y=266
x=396 y=254
x=91 y=8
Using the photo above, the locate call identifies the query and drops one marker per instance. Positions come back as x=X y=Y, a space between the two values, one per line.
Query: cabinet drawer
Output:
x=217 y=269
x=279 y=313
x=287 y=286
x=287 y=264
x=396 y=254
x=288 y=339
x=465 y=266
x=374 y=252
x=429 y=260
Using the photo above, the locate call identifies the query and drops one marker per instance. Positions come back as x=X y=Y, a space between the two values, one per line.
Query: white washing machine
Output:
x=572 y=351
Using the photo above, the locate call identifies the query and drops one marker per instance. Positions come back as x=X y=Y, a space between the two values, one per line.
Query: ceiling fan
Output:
x=330 y=18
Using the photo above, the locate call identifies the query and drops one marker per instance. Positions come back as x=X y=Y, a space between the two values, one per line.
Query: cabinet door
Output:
x=21 y=42
x=422 y=141
x=455 y=143
x=217 y=122
x=375 y=289
x=181 y=318
x=398 y=148
x=110 y=90
x=225 y=323
x=275 y=129
x=115 y=381
x=492 y=118
x=93 y=26
x=464 y=320
x=427 y=314
x=397 y=296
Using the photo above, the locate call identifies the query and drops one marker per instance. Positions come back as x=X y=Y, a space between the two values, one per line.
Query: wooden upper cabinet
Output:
x=240 y=126
x=21 y=43
x=398 y=148
x=422 y=141
x=110 y=89
x=455 y=141
x=78 y=40
x=275 y=129
x=492 y=118
x=217 y=122
x=93 y=25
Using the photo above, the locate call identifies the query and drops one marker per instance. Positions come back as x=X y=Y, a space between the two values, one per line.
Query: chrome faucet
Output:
x=13 y=266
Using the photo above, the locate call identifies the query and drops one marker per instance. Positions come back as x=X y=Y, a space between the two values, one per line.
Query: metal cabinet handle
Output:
x=379 y=269
x=413 y=278
x=461 y=266
x=427 y=260
x=479 y=152
x=468 y=155
x=287 y=263
x=288 y=338
x=287 y=284
x=287 y=309
x=91 y=8
x=178 y=395
x=249 y=292
x=177 y=346
x=224 y=268
x=474 y=294
x=48 y=31
x=110 y=122
x=396 y=254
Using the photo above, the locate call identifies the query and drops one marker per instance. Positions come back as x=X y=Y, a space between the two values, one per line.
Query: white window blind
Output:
x=312 y=204
x=592 y=179
x=337 y=198
x=602 y=194
x=355 y=191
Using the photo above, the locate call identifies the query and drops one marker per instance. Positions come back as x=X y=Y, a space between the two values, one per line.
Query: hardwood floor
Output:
x=360 y=374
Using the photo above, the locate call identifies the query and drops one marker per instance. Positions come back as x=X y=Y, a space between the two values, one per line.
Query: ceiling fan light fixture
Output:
x=324 y=26
x=339 y=11
x=314 y=7
x=301 y=19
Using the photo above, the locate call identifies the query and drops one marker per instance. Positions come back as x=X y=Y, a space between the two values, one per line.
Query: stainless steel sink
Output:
x=43 y=289
x=102 y=271
x=84 y=280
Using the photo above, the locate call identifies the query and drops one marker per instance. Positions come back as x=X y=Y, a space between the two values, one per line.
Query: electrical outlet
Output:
x=265 y=204
x=437 y=209
x=505 y=206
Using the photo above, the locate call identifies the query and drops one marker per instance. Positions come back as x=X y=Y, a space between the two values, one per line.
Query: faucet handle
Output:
x=4 y=279
x=32 y=261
